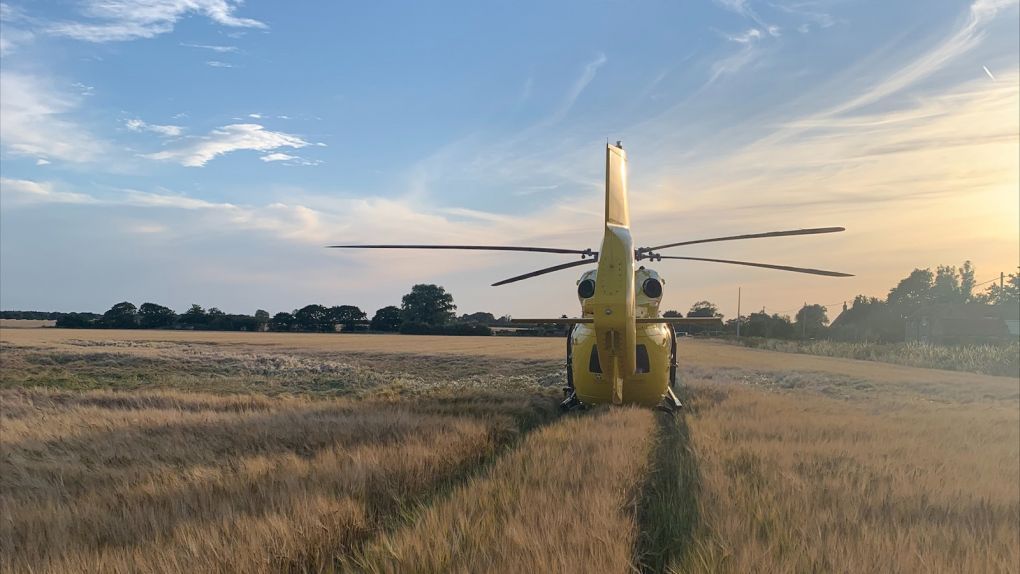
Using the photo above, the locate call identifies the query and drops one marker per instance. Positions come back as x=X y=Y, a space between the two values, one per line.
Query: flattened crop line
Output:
x=558 y=502
x=539 y=412
x=667 y=511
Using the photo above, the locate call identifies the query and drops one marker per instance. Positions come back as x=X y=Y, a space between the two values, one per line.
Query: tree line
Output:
x=426 y=309
x=868 y=318
x=430 y=309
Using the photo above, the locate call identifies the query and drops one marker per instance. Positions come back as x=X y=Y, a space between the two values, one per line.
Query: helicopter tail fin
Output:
x=617 y=212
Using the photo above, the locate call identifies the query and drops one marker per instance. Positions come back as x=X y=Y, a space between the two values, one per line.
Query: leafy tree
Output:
x=237 y=323
x=811 y=320
x=967 y=281
x=261 y=319
x=347 y=315
x=217 y=320
x=387 y=319
x=914 y=290
x=429 y=304
x=313 y=318
x=33 y=315
x=946 y=287
x=194 y=316
x=1008 y=294
x=764 y=325
x=672 y=313
x=153 y=316
x=704 y=309
x=281 y=322
x=77 y=320
x=123 y=315
x=865 y=300
x=481 y=317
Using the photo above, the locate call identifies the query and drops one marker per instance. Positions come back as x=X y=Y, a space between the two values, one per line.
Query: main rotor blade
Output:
x=546 y=270
x=765 y=265
x=812 y=231
x=469 y=247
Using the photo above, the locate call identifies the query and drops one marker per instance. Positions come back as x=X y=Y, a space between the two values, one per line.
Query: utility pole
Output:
x=737 y=312
x=803 y=323
x=1002 y=283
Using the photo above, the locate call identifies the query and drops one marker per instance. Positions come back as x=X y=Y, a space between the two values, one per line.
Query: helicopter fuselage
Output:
x=616 y=359
x=612 y=357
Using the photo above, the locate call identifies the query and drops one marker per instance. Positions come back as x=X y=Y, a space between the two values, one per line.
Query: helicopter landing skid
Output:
x=670 y=403
x=571 y=403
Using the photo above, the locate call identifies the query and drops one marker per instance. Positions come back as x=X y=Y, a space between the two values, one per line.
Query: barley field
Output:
x=165 y=451
x=25 y=323
x=990 y=359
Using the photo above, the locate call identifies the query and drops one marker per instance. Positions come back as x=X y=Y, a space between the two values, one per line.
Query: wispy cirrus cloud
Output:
x=12 y=38
x=578 y=87
x=746 y=37
x=235 y=137
x=962 y=40
x=214 y=48
x=815 y=14
x=318 y=219
x=137 y=125
x=123 y=20
x=295 y=222
x=278 y=156
x=23 y=191
x=34 y=120
x=288 y=159
x=749 y=52
x=743 y=8
x=14 y=34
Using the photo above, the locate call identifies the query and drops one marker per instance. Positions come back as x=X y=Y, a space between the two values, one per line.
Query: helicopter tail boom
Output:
x=612 y=305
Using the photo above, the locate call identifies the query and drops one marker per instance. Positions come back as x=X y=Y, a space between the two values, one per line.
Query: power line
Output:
x=996 y=278
x=826 y=305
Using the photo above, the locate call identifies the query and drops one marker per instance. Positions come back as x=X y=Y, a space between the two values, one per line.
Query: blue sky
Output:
x=205 y=150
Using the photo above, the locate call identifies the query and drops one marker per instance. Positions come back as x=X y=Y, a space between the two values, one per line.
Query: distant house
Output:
x=963 y=323
x=871 y=321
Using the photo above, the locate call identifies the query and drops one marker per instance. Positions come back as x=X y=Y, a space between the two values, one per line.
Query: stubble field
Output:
x=149 y=451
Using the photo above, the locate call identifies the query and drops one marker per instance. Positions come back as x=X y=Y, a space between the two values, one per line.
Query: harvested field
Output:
x=146 y=451
x=991 y=359
x=25 y=323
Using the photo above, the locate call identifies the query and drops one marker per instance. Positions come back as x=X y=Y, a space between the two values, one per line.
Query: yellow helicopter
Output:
x=621 y=350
